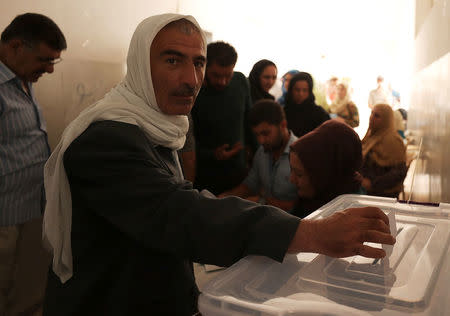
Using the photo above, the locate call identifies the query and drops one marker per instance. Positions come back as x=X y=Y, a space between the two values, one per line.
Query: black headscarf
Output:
x=301 y=76
x=306 y=116
x=256 y=91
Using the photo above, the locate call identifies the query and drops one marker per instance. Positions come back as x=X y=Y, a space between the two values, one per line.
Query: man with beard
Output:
x=269 y=175
x=220 y=122
x=30 y=46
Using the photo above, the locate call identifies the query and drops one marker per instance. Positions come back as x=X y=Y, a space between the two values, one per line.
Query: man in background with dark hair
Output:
x=220 y=122
x=30 y=46
x=269 y=175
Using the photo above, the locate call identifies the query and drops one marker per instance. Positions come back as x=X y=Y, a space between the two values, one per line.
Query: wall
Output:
x=97 y=33
x=429 y=115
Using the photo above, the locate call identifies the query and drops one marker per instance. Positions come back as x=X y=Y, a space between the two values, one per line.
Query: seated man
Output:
x=269 y=176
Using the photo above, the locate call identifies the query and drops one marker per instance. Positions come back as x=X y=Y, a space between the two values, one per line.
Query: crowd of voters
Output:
x=185 y=160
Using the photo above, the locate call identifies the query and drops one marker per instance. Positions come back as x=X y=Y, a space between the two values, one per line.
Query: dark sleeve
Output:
x=203 y=153
x=289 y=119
x=250 y=138
x=114 y=172
x=391 y=177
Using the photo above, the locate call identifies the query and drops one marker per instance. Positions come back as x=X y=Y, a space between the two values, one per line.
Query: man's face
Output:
x=219 y=77
x=300 y=91
x=300 y=178
x=177 y=62
x=32 y=61
x=269 y=136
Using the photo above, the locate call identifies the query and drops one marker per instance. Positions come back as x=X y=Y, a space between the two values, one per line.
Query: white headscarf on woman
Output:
x=132 y=101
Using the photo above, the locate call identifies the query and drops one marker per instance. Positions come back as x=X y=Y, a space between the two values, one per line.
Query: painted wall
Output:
x=429 y=115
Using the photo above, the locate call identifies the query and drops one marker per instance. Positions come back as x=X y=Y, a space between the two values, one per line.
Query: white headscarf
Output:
x=132 y=101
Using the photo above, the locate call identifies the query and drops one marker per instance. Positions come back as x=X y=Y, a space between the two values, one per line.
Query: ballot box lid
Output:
x=415 y=279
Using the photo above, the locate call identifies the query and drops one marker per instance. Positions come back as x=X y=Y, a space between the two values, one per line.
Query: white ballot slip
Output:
x=393 y=228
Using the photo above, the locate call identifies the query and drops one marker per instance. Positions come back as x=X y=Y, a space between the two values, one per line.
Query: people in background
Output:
x=285 y=84
x=223 y=137
x=30 y=46
x=262 y=77
x=325 y=163
x=124 y=226
x=379 y=95
x=269 y=175
x=343 y=107
x=302 y=113
x=384 y=155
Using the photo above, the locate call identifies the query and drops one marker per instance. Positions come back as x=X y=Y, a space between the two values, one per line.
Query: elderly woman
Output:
x=384 y=155
x=343 y=107
x=302 y=113
x=325 y=163
x=262 y=78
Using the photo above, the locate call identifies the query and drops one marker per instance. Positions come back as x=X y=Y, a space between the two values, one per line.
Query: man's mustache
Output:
x=185 y=91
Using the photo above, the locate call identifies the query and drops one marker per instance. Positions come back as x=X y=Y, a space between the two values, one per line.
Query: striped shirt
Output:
x=23 y=151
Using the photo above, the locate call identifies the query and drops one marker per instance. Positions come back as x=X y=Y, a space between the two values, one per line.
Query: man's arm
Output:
x=114 y=172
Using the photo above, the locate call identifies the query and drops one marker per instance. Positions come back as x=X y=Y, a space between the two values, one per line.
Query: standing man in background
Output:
x=222 y=134
x=378 y=95
x=30 y=47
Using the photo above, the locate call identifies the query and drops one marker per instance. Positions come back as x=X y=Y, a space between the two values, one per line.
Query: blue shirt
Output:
x=272 y=178
x=23 y=151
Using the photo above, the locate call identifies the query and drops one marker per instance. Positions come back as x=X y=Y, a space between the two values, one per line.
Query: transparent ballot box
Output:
x=413 y=279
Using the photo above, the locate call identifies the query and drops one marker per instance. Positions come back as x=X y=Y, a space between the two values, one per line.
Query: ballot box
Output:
x=413 y=280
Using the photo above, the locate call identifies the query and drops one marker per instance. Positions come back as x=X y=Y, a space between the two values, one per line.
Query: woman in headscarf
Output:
x=302 y=113
x=384 y=155
x=262 y=78
x=285 y=84
x=343 y=107
x=325 y=163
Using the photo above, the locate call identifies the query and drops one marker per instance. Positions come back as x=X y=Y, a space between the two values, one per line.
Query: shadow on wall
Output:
x=73 y=86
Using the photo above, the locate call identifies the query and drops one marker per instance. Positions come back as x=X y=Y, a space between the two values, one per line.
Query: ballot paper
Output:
x=393 y=228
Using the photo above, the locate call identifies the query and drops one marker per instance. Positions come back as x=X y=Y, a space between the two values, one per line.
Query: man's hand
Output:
x=224 y=152
x=343 y=234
